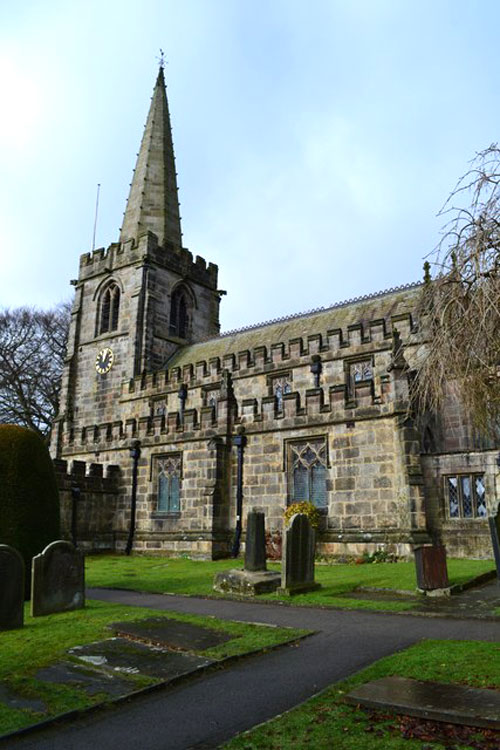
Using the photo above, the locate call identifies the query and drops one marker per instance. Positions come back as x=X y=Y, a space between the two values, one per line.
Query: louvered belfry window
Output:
x=307 y=472
x=109 y=309
x=168 y=475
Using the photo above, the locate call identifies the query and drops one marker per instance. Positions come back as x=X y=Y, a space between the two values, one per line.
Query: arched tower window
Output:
x=180 y=308
x=109 y=309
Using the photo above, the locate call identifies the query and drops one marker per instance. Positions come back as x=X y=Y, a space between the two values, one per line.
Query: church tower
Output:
x=140 y=300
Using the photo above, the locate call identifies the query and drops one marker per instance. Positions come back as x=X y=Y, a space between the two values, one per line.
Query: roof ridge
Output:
x=306 y=313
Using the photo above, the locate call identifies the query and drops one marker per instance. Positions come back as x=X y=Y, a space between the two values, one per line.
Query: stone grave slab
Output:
x=57 y=580
x=169 y=633
x=246 y=582
x=11 y=588
x=91 y=682
x=121 y=655
x=12 y=699
x=455 y=704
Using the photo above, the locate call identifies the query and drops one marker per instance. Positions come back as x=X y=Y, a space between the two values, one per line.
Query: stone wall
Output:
x=463 y=537
x=95 y=503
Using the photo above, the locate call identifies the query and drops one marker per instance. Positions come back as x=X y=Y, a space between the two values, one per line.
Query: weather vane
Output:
x=161 y=59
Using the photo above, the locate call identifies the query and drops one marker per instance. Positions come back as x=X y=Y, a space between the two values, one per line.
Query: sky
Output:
x=315 y=142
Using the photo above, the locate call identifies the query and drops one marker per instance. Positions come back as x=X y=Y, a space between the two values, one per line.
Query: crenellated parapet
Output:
x=174 y=258
x=373 y=339
x=89 y=477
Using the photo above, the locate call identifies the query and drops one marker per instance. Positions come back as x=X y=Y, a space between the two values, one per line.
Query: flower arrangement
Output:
x=309 y=509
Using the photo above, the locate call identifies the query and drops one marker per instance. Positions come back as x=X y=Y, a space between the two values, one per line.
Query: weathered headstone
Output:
x=11 y=588
x=297 y=563
x=57 y=579
x=255 y=546
x=254 y=578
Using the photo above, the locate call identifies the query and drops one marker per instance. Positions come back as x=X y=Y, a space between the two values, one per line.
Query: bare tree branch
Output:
x=32 y=350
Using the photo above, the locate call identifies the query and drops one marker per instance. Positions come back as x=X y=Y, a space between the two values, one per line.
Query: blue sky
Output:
x=315 y=142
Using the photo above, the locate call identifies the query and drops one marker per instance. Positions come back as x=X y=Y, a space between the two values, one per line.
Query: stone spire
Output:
x=153 y=203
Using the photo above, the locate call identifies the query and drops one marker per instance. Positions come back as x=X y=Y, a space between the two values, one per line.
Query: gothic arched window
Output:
x=180 y=306
x=109 y=309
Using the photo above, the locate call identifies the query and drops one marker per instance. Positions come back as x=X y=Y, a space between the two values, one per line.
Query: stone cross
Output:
x=255 y=547
x=297 y=563
x=57 y=579
x=11 y=588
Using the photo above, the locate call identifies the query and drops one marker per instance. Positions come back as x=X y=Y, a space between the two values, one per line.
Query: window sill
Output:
x=160 y=515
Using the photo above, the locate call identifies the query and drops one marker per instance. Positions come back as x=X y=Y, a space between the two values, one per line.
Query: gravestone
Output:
x=57 y=579
x=254 y=578
x=494 y=522
x=11 y=588
x=297 y=563
x=255 y=546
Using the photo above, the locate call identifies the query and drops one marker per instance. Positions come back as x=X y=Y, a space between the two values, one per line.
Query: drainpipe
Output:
x=135 y=454
x=182 y=393
x=75 y=497
x=239 y=441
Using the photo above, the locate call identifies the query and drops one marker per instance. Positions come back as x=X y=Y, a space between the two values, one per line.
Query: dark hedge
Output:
x=29 y=498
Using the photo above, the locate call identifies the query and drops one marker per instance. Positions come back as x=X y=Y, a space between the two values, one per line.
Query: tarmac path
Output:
x=207 y=710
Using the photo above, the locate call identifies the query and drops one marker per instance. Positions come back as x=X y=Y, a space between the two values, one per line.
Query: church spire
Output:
x=153 y=202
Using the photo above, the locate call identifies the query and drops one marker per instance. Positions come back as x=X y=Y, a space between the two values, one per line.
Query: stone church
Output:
x=170 y=431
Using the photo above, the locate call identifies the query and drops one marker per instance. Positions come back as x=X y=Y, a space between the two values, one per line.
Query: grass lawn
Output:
x=45 y=640
x=326 y=722
x=195 y=577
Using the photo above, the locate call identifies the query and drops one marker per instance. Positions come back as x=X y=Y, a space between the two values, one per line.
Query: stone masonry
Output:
x=323 y=398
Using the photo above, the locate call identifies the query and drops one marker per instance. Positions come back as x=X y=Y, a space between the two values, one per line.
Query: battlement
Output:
x=178 y=259
x=320 y=405
x=356 y=340
x=92 y=477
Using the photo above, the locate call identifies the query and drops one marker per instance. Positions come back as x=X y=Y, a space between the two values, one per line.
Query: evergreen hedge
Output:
x=29 y=498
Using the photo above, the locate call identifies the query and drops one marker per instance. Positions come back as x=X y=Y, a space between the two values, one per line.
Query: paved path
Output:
x=210 y=709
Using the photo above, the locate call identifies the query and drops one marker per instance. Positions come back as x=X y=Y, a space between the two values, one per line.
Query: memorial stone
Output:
x=57 y=579
x=11 y=588
x=255 y=546
x=254 y=578
x=297 y=564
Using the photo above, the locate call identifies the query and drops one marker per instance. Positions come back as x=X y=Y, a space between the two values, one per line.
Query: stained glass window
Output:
x=307 y=472
x=168 y=472
x=466 y=496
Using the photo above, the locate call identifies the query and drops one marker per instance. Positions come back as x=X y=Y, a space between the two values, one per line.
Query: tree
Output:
x=460 y=305
x=32 y=350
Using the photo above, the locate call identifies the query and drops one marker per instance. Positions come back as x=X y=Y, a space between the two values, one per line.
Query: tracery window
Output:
x=361 y=371
x=466 y=496
x=167 y=472
x=180 y=307
x=307 y=472
x=109 y=309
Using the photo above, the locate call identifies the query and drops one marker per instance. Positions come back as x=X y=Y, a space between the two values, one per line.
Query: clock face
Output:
x=104 y=361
